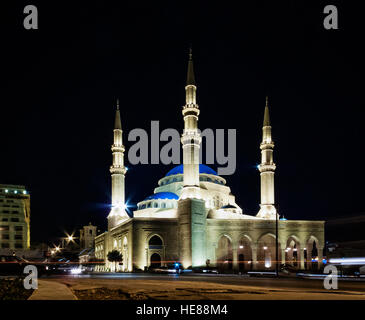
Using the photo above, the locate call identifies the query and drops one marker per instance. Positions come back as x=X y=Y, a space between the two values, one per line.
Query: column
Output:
x=282 y=251
x=254 y=257
x=235 y=259
x=320 y=257
x=301 y=259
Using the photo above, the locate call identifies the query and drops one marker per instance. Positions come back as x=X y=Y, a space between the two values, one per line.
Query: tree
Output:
x=115 y=256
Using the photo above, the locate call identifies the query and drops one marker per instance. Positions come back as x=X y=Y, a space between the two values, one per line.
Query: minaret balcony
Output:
x=264 y=167
x=118 y=169
x=267 y=145
x=191 y=138
x=117 y=148
x=191 y=109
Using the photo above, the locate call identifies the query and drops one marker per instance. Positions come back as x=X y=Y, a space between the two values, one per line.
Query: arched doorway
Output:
x=244 y=252
x=266 y=252
x=155 y=260
x=155 y=253
x=292 y=252
x=224 y=254
x=311 y=254
x=125 y=254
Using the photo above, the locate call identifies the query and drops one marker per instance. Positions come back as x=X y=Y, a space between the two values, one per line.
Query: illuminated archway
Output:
x=125 y=254
x=311 y=253
x=155 y=245
x=224 y=254
x=292 y=252
x=266 y=252
x=244 y=254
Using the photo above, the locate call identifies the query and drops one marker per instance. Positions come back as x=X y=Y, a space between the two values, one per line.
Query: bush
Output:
x=13 y=289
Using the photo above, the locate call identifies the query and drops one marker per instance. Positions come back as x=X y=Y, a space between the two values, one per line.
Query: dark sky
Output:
x=61 y=83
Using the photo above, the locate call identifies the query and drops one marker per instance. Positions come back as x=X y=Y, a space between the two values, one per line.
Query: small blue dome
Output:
x=229 y=206
x=202 y=169
x=163 y=195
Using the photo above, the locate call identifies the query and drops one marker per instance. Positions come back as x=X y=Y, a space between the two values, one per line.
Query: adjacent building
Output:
x=14 y=217
x=87 y=236
x=192 y=216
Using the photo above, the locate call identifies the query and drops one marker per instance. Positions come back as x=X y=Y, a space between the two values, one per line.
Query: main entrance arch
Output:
x=155 y=251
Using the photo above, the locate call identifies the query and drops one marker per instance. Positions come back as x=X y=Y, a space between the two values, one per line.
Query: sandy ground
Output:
x=194 y=290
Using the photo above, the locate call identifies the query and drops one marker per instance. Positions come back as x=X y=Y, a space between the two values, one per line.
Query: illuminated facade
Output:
x=14 y=217
x=192 y=216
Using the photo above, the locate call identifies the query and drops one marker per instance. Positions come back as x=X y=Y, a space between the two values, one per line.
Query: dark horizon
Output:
x=63 y=80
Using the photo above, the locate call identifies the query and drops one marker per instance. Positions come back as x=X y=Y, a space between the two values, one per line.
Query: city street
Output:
x=196 y=286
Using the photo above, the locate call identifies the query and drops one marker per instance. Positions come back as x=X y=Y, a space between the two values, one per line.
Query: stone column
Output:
x=301 y=259
x=235 y=259
x=320 y=257
x=282 y=251
x=254 y=257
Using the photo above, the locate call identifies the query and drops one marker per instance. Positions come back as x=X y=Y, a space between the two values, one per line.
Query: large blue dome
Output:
x=202 y=169
x=163 y=195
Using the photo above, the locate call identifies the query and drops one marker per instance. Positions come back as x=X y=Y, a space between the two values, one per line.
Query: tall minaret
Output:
x=191 y=209
x=118 y=212
x=191 y=138
x=267 y=170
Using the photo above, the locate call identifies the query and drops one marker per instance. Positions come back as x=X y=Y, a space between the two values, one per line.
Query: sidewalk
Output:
x=52 y=290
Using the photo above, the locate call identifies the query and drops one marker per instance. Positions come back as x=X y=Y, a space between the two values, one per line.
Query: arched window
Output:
x=155 y=241
x=163 y=205
x=155 y=205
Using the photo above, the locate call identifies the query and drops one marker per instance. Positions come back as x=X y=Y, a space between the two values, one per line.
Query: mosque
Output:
x=193 y=218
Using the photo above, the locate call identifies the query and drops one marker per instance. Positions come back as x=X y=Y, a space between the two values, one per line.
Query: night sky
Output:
x=62 y=81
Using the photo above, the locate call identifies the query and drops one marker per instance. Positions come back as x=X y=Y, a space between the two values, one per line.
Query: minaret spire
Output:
x=117 y=123
x=118 y=212
x=191 y=138
x=267 y=169
x=190 y=79
x=266 y=114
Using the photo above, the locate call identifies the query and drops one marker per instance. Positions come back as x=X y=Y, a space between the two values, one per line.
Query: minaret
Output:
x=191 y=138
x=118 y=212
x=191 y=208
x=267 y=170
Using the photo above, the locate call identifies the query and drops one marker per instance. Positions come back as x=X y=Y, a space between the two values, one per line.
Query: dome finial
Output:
x=190 y=53
x=267 y=101
x=117 y=103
